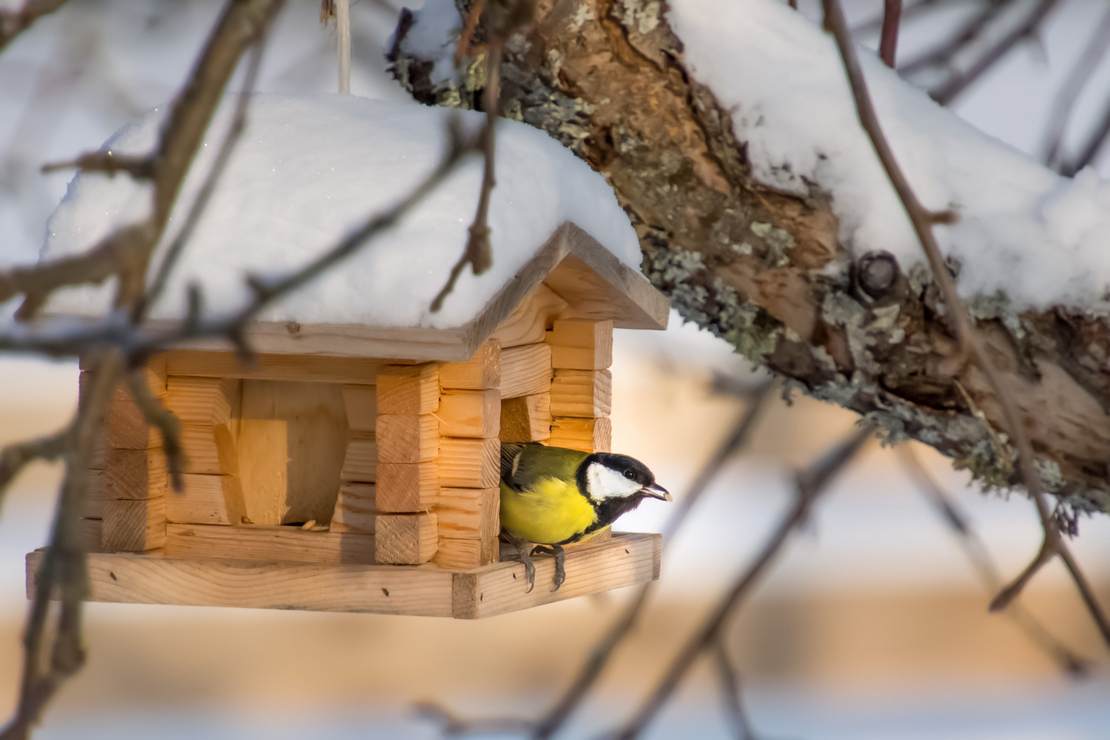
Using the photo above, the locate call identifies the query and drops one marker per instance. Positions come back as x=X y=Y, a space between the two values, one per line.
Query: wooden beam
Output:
x=582 y=393
x=588 y=435
x=362 y=407
x=531 y=319
x=456 y=554
x=202 y=400
x=406 y=539
x=96 y=496
x=407 y=487
x=281 y=543
x=407 y=438
x=134 y=474
x=526 y=370
x=470 y=413
x=360 y=463
x=355 y=509
x=526 y=418
x=298 y=367
x=209 y=449
x=154 y=373
x=591 y=567
x=99 y=449
x=207 y=499
x=408 y=389
x=469 y=513
x=577 y=344
x=480 y=372
x=92 y=534
x=134 y=526
x=469 y=463
x=143 y=579
x=126 y=428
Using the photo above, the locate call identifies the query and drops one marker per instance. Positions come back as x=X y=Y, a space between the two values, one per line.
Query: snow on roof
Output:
x=310 y=168
x=1040 y=238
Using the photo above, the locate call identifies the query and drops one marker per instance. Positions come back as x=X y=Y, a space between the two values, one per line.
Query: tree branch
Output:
x=15 y=22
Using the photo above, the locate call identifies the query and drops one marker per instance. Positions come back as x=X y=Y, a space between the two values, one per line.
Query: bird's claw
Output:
x=560 y=564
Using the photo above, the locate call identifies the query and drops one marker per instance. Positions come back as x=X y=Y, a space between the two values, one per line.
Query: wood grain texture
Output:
x=355 y=509
x=287 y=543
x=591 y=567
x=407 y=438
x=588 y=435
x=526 y=370
x=202 y=400
x=464 y=554
x=530 y=320
x=144 y=579
x=153 y=371
x=361 y=402
x=125 y=427
x=582 y=393
x=405 y=539
x=526 y=419
x=134 y=474
x=408 y=389
x=298 y=367
x=407 y=487
x=96 y=495
x=578 y=344
x=469 y=513
x=92 y=534
x=207 y=499
x=360 y=461
x=134 y=526
x=209 y=449
x=481 y=372
x=469 y=463
x=470 y=413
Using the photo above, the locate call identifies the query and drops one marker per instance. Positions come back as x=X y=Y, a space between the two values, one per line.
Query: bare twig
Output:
x=1064 y=102
x=962 y=38
x=922 y=220
x=912 y=10
x=811 y=483
x=730 y=692
x=343 y=30
x=15 y=456
x=960 y=82
x=1090 y=150
x=984 y=565
x=107 y=162
x=453 y=726
x=888 y=40
x=15 y=22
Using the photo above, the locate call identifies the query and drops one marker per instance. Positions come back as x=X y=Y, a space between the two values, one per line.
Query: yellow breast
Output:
x=549 y=512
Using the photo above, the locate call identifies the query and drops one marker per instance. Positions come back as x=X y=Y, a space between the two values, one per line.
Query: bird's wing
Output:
x=509 y=454
x=534 y=461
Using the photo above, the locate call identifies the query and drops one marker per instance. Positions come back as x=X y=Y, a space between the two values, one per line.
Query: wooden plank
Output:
x=207 y=499
x=154 y=373
x=355 y=509
x=134 y=474
x=470 y=413
x=526 y=370
x=591 y=567
x=291 y=440
x=406 y=539
x=530 y=320
x=454 y=554
x=360 y=462
x=588 y=435
x=469 y=513
x=526 y=418
x=361 y=402
x=408 y=389
x=99 y=449
x=578 y=344
x=480 y=372
x=202 y=400
x=407 y=438
x=297 y=367
x=286 y=543
x=92 y=534
x=582 y=393
x=209 y=449
x=407 y=487
x=126 y=428
x=142 y=579
x=134 y=526
x=96 y=496
x=469 y=463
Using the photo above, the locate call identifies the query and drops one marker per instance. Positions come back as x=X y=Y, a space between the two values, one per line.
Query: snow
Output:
x=434 y=35
x=1040 y=238
x=308 y=170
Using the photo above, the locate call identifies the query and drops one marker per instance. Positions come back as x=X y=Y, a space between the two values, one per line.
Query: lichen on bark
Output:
x=766 y=271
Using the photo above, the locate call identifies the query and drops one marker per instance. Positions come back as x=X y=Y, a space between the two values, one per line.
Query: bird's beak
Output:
x=656 y=491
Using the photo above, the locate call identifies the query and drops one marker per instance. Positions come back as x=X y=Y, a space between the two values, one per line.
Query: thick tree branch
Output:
x=15 y=22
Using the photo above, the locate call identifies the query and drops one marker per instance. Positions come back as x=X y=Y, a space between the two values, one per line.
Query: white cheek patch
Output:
x=607 y=483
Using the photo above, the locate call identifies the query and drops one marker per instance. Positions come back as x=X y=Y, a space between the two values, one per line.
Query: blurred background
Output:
x=872 y=625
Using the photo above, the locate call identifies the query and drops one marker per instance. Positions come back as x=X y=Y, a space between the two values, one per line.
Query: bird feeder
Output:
x=356 y=468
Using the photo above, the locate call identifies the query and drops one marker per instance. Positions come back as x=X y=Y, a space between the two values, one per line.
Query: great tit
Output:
x=554 y=496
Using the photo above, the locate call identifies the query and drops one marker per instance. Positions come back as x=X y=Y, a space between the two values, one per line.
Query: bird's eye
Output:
x=629 y=474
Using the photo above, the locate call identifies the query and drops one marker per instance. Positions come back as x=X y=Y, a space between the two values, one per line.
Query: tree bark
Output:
x=765 y=270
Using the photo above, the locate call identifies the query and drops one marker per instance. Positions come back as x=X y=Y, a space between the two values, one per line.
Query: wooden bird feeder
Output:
x=355 y=468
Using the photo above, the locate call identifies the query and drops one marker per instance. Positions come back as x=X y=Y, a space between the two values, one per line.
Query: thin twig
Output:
x=962 y=38
x=15 y=456
x=1064 y=102
x=976 y=551
x=922 y=220
x=730 y=692
x=811 y=483
x=453 y=726
x=888 y=39
x=15 y=22
x=1090 y=150
x=875 y=23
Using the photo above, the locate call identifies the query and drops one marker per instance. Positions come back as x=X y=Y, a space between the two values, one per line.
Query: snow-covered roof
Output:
x=309 y=169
